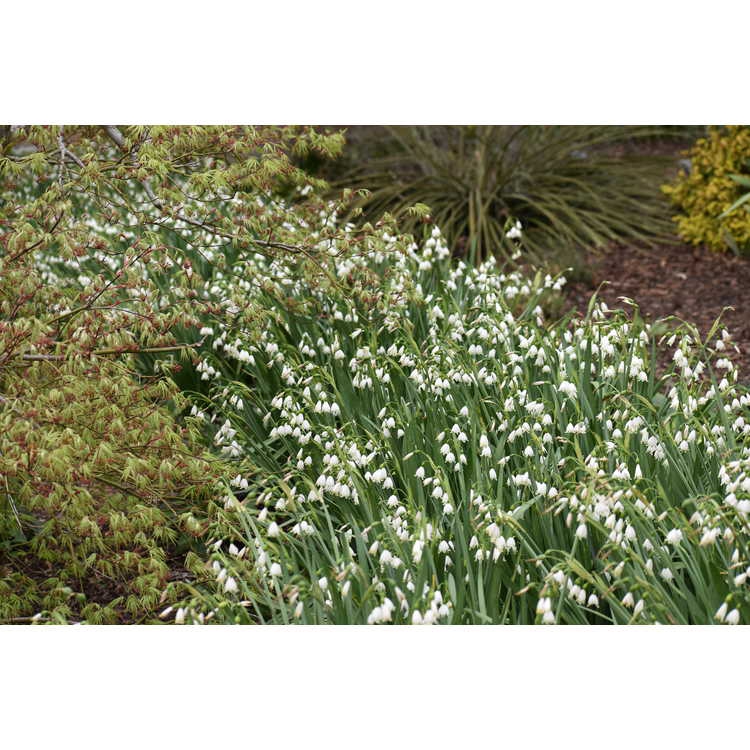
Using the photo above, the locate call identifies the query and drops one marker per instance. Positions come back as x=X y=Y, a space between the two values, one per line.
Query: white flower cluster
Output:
x=423 y=453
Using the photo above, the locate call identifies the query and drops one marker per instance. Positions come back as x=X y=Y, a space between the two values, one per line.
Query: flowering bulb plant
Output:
x=440 y=453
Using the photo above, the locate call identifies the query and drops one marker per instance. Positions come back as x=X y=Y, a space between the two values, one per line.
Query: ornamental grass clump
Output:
x=568 y=185
x=437 y=452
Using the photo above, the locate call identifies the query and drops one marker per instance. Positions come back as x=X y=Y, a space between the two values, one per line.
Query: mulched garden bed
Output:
x=693 y=284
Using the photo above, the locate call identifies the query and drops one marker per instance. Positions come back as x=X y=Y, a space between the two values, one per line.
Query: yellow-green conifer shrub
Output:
x=707 y=190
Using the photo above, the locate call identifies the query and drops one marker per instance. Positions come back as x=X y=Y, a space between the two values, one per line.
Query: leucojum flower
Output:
x=438 y=451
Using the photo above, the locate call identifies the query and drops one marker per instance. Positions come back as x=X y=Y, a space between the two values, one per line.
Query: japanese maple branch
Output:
x=117 y=137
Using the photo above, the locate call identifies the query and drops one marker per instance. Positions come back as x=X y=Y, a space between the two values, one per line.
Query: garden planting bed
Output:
x=362 y=427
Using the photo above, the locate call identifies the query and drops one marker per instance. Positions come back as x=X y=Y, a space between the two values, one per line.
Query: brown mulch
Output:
x=692 y=284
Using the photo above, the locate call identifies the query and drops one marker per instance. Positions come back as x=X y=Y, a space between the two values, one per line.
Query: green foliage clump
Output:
x=440 y=453
x=710 y=187
x=569 y=186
